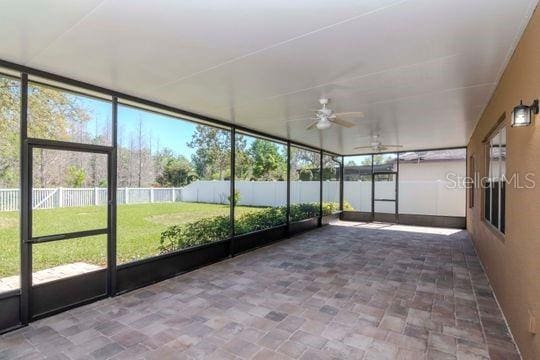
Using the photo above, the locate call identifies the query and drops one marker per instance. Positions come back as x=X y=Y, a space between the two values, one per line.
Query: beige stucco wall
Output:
x=513 y=261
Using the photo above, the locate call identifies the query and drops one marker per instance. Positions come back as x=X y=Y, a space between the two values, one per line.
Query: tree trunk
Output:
x=140 y=148
x=41 y=168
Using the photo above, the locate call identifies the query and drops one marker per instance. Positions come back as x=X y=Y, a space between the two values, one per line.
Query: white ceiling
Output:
x=420 y=70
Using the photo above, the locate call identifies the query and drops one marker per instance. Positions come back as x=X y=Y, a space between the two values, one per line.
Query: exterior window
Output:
x=494 y=193
x=472 y=186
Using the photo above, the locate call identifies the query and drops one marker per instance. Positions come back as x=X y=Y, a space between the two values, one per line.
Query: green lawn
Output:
x=138 y=232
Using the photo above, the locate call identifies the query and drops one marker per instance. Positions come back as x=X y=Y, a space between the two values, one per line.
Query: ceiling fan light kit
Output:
x=324 y=124
x=326 y=117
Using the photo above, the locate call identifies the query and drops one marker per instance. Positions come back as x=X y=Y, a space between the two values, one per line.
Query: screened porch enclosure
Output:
x=106 y=193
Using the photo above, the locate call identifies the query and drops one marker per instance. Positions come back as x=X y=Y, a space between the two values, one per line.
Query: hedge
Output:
x=216 y=228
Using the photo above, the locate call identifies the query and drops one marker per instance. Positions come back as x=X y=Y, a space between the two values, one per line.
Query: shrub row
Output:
x=216 y=228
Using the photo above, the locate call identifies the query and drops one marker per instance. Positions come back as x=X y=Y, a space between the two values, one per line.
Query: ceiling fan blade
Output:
x=350 y=113
x=312 y=125
x=342 y=122
x=302 y=119
x=362 y=147
x=392 y=146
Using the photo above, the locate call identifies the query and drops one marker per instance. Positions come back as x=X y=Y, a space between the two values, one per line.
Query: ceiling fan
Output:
x=326 y=117
x=377 y=146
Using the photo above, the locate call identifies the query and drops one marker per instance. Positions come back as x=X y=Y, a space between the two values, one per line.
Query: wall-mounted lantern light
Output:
x=523 y=114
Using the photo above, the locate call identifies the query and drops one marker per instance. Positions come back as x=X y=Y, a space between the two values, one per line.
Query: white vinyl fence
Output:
x=69 y=197
x=255 y=193
x=260 y=193
x=419 y=197
x=415 y=196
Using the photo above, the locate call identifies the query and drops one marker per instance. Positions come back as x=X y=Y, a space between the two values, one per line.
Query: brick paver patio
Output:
x=346 y=291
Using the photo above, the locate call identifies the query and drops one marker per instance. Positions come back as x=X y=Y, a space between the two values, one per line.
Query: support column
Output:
x=26 y=206
x=320 y=187
x=288 y=211
x=112 y=192
x=341 y=185
x=232 y=190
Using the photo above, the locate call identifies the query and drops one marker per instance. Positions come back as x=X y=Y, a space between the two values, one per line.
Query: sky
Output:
x=165 y=131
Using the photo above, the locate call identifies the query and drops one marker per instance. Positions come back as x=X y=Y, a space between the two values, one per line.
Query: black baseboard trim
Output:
x=136 y=275
x=301 y=226
x=9 y=312
x=356 y=216
x=454 y=222
x=60 y=295
x=251 y=241
x=329 y=219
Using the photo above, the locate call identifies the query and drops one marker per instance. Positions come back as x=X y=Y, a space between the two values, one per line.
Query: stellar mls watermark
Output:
x=516 y=181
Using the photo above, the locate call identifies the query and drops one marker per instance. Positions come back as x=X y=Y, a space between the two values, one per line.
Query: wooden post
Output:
x=96 y=196
x=60 y=197
x=151 y=195
x=173 y=195
x=126 y=195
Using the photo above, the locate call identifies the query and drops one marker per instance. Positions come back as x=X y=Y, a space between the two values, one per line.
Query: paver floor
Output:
x=345 y=291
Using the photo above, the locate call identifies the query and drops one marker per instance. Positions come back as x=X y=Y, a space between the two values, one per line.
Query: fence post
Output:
x=151 y=195
x=439 y=183
x=173 y=195
x=274 y=198
x=126 y=195
x=96 y=196
x=60 y=197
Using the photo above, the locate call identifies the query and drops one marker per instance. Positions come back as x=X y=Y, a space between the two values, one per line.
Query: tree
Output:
x=9 y=132
x=268 y=163
x=367 y=160
x=55 y=114
x=212 y=154
x=305 y=175
x=379 y=159
x=97 y=164
x=304 y=161
x=176 y=170
x=138 y=164
x=52 y=114
x=243 y=160
x=140 y=146
x=76 y=176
